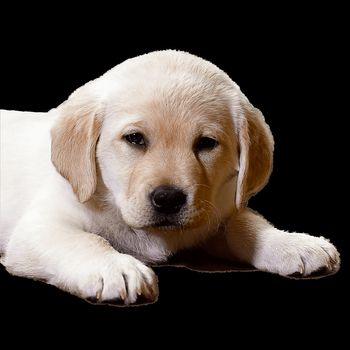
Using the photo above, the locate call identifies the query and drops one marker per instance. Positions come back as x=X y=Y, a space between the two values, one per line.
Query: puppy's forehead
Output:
x=181 y=89
x=175 y=117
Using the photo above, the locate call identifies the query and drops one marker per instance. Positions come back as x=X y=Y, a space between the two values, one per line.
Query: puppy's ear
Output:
x=255 y=153
x=73 y=145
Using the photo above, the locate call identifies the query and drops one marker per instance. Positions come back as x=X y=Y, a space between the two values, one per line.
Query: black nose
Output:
x=167 y=199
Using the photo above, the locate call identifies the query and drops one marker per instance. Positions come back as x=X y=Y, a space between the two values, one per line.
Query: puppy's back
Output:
x=24 y=163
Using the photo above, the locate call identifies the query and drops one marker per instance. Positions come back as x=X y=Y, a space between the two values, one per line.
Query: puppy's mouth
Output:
x=166 y=224
x=172 y=222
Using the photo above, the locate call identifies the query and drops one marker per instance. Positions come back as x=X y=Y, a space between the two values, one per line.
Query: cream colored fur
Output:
x=75 y=208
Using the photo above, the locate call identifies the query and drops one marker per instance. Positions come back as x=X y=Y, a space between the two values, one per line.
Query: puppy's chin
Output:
x=164 y=228
x=168 y=229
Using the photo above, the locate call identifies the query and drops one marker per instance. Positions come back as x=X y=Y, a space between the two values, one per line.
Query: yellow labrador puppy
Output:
x=158 y=155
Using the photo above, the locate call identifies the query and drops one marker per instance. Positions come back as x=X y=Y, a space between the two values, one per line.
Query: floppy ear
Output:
x=73 y=145
x=256 y=153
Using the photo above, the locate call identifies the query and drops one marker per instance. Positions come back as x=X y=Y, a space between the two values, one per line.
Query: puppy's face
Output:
x=178 y=145
x=170 y=164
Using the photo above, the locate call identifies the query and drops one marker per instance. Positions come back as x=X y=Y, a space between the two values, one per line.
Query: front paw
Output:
x=119 y=279
x=298 y=254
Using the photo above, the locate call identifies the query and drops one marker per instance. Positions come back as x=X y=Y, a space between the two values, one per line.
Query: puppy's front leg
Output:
x=248 y=237
x=48 y=248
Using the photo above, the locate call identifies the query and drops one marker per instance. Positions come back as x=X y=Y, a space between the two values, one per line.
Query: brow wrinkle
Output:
x=229 y=178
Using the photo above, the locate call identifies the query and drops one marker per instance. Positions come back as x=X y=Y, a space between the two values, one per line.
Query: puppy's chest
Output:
x=140 y=244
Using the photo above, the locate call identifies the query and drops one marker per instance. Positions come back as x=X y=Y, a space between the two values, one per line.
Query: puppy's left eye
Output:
x=205 y=144
x=136 y=138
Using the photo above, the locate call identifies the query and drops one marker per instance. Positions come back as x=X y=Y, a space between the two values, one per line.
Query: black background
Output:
x=291 y=65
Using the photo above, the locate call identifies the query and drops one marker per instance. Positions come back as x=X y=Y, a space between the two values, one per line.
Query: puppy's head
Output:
x=178 y=146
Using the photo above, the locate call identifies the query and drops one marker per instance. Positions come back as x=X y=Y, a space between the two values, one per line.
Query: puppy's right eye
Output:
x=205 y=144
x=136 y=138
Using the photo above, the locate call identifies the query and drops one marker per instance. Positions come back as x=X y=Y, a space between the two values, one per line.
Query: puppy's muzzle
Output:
x=168 y=200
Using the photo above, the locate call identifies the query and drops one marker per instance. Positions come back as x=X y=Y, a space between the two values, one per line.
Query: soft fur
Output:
x=75 y=207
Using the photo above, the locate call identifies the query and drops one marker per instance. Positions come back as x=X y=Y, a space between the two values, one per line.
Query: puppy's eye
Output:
x=136 y=138
x=205 y=144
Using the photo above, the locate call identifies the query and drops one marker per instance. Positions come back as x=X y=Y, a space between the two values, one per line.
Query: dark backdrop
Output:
x=291 y=66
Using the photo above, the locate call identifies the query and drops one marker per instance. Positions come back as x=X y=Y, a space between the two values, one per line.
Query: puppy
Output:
x=158 y=155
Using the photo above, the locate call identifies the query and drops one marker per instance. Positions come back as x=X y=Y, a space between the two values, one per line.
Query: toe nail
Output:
x=98 y=294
